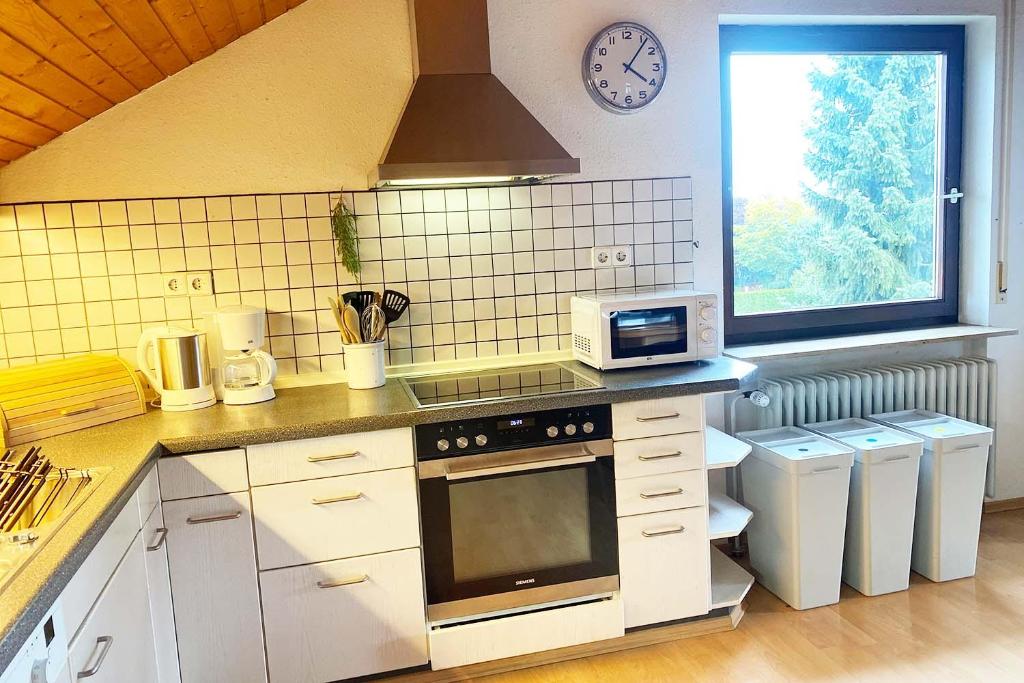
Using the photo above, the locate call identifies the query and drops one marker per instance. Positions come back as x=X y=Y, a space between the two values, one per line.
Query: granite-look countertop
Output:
x=130 y=448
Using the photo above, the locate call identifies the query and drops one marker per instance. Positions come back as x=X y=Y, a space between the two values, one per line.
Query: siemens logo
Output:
x=521 y=582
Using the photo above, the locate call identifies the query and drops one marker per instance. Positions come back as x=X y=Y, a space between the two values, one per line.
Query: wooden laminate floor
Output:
x=967 y=630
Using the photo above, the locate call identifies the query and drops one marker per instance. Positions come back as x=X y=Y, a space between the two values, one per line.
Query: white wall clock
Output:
x=624 y=67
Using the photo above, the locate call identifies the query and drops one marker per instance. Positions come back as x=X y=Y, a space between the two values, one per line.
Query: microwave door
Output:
x=649 y=332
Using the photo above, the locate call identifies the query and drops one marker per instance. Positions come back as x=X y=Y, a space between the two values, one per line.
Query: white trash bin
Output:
x=883 y=493
x=796 y=483
x=950 y=491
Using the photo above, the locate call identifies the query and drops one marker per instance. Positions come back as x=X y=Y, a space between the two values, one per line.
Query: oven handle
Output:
x=515 y=460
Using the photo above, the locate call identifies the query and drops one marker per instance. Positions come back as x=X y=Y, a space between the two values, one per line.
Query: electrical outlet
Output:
x=200 y=283
x=601 y=257
x=622 y=256
x=175 y=284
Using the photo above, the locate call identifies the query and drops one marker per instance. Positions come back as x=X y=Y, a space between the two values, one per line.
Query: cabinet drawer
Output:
x=657 y=417
x=669 y=491
x=274 y=463
x=658 y=454
x=664 y=566
x=337 y=517
x=202 y=474
x=337 y=620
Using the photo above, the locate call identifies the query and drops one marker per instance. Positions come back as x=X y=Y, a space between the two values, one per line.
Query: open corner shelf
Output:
x=730 y=582
x=726 y=517
x=722 y=450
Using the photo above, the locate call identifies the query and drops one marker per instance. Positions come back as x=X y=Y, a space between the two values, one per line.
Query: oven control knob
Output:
x=707 y=335
x=481 y=439
x=443 y=445
x=588 y=427
x=462 y=442
x=708 y=313
x=552 y=431
x=570 y=429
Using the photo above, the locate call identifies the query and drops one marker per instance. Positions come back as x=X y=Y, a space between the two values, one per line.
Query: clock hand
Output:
x=629 y=68
x=642 y=43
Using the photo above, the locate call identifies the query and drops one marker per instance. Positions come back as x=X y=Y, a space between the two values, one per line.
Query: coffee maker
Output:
x=242 y=371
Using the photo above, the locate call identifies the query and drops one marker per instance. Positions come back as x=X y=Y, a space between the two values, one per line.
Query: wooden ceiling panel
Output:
x=65 y=61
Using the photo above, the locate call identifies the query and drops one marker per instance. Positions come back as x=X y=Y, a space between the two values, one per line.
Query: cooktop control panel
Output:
x=514 y=430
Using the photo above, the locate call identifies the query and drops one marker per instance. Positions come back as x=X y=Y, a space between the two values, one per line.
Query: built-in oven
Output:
x=517 y=511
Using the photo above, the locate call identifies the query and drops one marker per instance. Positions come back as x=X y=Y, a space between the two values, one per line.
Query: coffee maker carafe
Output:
x=243 y=372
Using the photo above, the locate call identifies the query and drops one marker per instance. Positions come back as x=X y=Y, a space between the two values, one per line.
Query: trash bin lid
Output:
x=936 y=429
x=872 y=442
x=797 y=450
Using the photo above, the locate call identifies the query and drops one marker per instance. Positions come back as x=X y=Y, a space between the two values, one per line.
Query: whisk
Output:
x=373 y=324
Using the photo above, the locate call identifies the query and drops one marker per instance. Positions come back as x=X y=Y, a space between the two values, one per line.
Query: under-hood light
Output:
x=458 y=182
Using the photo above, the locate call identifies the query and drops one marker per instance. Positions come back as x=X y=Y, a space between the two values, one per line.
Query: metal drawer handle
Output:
x=214 y=518
x=664 y=532
x=825 y=469
x=161 y=536
x=655 y=418
x=349 y=581
x=661 y=494
x=661 y=456
x=897 y=458
x=336 y=456
x=103 y=644
x=352 y=495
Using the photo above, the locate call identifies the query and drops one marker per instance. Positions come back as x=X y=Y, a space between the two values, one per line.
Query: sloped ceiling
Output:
x=64 y=61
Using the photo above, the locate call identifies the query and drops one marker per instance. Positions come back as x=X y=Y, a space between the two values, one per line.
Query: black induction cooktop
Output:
x=498 y=383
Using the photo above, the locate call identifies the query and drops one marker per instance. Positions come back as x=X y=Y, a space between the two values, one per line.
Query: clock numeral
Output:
x=615 y=94
x=651 y=51
x=611 y=40
x=643 y=94
x=598 y=67
x=629 y=99
x=653 y=82
x=627 y=34
x=656 y=66
x=603 y=84
x=603 y=51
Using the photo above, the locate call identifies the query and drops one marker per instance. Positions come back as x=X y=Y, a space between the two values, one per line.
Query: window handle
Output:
x=954 y=196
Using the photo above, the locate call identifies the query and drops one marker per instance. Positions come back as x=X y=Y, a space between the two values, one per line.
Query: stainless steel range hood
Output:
x=461 y=125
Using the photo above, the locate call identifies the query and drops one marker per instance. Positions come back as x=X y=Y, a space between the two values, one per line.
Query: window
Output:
x=841 y=146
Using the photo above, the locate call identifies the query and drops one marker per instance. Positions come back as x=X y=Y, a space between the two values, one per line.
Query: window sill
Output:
x=754 y=353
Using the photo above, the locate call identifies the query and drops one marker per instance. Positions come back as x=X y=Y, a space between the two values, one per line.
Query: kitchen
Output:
x=233 y=179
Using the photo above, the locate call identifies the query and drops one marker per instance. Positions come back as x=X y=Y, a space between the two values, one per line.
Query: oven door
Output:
x=658 y=332
x=515 y=528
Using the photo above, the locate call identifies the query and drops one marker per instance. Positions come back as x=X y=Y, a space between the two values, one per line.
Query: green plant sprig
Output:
x=343 y=226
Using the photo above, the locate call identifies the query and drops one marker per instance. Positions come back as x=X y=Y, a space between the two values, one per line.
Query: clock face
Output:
x=624 y=67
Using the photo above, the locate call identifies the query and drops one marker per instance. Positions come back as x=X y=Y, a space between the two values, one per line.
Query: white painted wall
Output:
x=307 y=103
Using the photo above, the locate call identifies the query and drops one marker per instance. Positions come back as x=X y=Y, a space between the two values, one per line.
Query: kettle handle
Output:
x=142 y=356
x=269 y=365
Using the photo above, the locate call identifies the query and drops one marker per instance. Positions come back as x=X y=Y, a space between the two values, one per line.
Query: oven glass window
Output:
x=648 y=332
x=511 y=525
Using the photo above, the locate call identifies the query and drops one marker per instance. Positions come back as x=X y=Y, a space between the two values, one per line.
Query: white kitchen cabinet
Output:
x=213 y=582
x=659 y=492
x=337 y=620
x=657 y=417
x=330 y=456
x=658 y=454
x=154 y=537
x=115 y=643
x=203 y=474
x=335 y=518
x=664 y=566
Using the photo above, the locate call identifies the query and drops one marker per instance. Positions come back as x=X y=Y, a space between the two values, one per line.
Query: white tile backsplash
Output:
x=490 y=270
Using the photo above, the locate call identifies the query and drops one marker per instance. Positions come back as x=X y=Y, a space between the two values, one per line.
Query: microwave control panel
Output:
x=513 y=430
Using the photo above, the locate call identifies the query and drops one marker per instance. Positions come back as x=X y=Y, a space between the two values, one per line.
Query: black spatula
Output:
x=360 y=299
x=394 y=305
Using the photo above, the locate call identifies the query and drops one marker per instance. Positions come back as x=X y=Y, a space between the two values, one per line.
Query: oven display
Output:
x=515 y=423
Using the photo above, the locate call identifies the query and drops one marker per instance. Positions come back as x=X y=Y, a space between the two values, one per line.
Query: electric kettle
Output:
x=181 y=374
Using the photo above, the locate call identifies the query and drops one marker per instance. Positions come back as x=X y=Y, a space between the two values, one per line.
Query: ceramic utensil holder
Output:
x=365 y=365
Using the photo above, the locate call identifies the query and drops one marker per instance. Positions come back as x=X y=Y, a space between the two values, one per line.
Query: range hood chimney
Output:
x=461 y=125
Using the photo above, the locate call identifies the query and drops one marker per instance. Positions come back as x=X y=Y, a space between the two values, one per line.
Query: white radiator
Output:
x=961 y=387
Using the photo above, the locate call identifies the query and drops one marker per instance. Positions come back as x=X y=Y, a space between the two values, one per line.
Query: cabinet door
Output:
x=213 y=584
x=115 y=643
x=664 y=566
x=343 y=619
x=154 y=536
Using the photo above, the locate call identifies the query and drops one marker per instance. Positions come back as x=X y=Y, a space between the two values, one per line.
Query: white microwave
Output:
x=625 y=330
